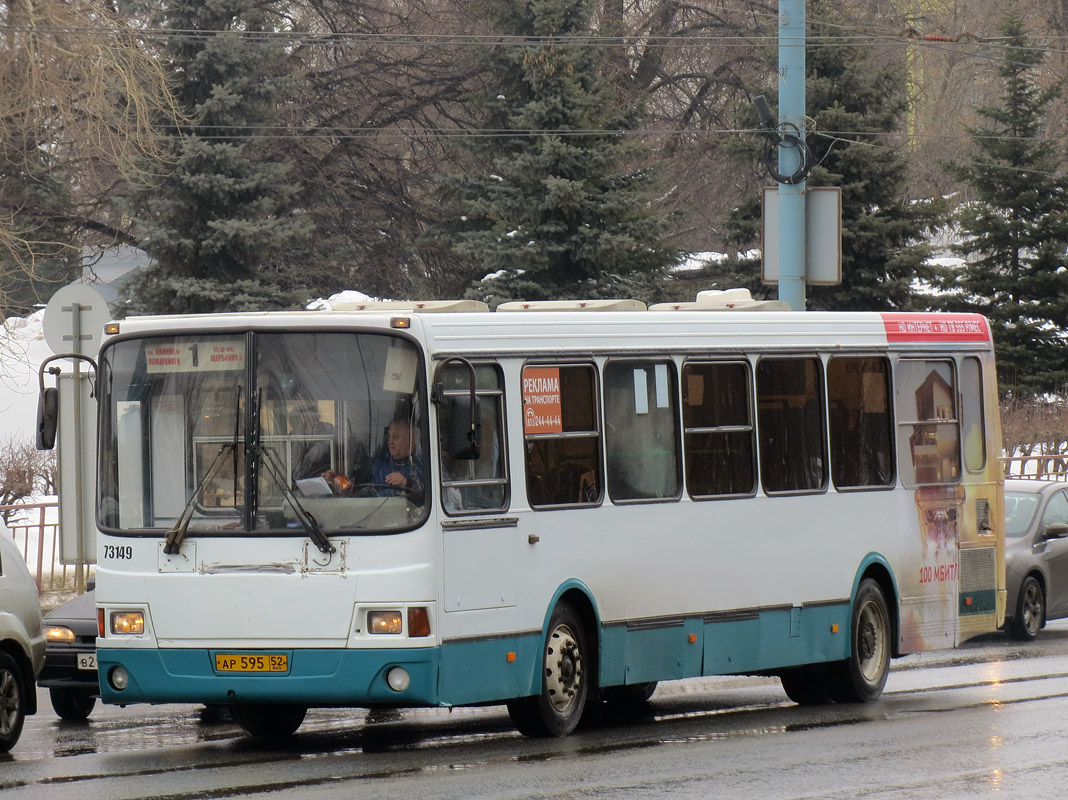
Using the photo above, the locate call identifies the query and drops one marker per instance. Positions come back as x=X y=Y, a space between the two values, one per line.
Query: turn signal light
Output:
x=418 y=621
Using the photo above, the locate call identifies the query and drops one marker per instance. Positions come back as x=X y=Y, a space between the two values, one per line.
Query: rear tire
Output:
x=629 y=695
x=806 y=686
x=565 y=683
x=268 y=720
x=72 y=704
x=12 y=702
x=1030 y=611
x=861 y=677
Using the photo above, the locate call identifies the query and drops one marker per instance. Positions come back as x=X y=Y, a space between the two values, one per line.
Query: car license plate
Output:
x=238 y=662
x=87 y=661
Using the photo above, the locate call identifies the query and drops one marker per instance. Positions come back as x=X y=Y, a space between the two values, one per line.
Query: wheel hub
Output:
x=867 y=641
x=563 y=668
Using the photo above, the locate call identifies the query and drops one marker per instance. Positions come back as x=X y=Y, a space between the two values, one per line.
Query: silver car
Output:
x=1036 y=555
x=22 y=644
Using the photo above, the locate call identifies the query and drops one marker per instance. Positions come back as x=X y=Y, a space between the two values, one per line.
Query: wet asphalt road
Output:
x=988 y=719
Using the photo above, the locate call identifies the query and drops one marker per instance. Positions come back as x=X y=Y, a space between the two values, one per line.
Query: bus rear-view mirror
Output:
x=47 y=418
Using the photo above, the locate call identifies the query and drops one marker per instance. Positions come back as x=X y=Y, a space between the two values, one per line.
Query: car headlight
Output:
x=58 y=634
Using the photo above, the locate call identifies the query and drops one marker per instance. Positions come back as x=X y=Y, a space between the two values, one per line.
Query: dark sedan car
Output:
x=1036 y=555
x=70 y=657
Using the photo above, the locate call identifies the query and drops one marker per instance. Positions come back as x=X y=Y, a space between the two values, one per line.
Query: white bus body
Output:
x=659 y=494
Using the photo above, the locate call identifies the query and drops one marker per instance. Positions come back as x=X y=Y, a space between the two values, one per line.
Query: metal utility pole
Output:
x=791 y=159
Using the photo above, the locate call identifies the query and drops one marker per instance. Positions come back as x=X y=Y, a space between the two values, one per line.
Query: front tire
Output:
x=268 y=720
x=564 y=680
x=72 y=704
x=12 y=702
x=861 y=677
x=1030 y=611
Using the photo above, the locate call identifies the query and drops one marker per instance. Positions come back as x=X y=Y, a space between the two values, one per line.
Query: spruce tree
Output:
x=1014 y=233
x=556 y=206
x=220 y=215
x=852 y=104
x=40 y=252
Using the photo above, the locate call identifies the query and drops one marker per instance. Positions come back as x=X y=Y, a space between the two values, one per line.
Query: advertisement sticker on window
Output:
x=541 y=400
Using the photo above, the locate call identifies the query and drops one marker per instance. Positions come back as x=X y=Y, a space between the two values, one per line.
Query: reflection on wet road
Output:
x=982 y=718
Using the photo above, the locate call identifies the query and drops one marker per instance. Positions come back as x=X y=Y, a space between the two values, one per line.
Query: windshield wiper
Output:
x=262 y=455
x=176 y=534
x=304 y=516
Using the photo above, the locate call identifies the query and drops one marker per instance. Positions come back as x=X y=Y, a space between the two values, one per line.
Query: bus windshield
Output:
x=253 y=431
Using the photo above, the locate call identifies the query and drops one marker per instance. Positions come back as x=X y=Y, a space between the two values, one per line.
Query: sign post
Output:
x=74 y=324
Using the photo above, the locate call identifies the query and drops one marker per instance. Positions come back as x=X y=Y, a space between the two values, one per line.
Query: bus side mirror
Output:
x=47 y=418
x=463 y=427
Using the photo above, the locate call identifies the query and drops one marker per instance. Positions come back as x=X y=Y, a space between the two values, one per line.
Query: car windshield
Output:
x=1020 y=508
x=247 y=432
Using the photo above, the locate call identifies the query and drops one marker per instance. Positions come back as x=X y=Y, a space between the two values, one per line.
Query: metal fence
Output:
x=35 y=529
x=1048 y=468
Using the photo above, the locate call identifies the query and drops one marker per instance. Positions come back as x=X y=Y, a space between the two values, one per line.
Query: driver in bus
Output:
x=399 y=465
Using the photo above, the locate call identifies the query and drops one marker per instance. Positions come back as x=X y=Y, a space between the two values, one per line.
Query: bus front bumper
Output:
x=312 y=677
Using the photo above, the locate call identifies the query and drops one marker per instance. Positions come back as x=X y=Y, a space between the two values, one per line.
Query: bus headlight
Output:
x=384 y=622
x=127 y=623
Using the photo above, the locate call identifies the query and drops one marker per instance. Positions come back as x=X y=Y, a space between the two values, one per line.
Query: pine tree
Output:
x=554 y=210
x=220 y=215
x=40 y=253
x=1015 y=232
x=883 y=233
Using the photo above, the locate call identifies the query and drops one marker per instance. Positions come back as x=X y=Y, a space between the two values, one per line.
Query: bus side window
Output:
x=928 y=433
x=790 y=425
x=562 y=436
x=471 y=486
x=858 y=389
x=717 y=413
x=641 y=430
x=972 y=414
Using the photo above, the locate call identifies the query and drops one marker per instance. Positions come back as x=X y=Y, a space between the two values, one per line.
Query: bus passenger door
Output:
x=480 y=538
x=481 y=564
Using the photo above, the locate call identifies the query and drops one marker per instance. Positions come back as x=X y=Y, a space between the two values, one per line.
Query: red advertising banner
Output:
x=902 y=327
x=541 y=400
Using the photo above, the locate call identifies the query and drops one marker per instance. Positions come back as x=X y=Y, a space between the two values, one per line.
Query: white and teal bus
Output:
x=547 y=506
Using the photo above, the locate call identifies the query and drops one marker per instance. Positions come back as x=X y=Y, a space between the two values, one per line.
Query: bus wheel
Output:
x=564 y=682
x=629 y=695
x=862 y=676
x=72 y=704
x=268 y=720
x=806 y=686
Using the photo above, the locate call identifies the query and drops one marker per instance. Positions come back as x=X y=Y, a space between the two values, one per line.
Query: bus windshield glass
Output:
x=249 y=431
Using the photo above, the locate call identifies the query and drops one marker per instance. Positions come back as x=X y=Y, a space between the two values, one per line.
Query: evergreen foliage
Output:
x=557 y=208
x=1015 y=233
x=883 y=251
x=220 y=214
x=41 y=253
